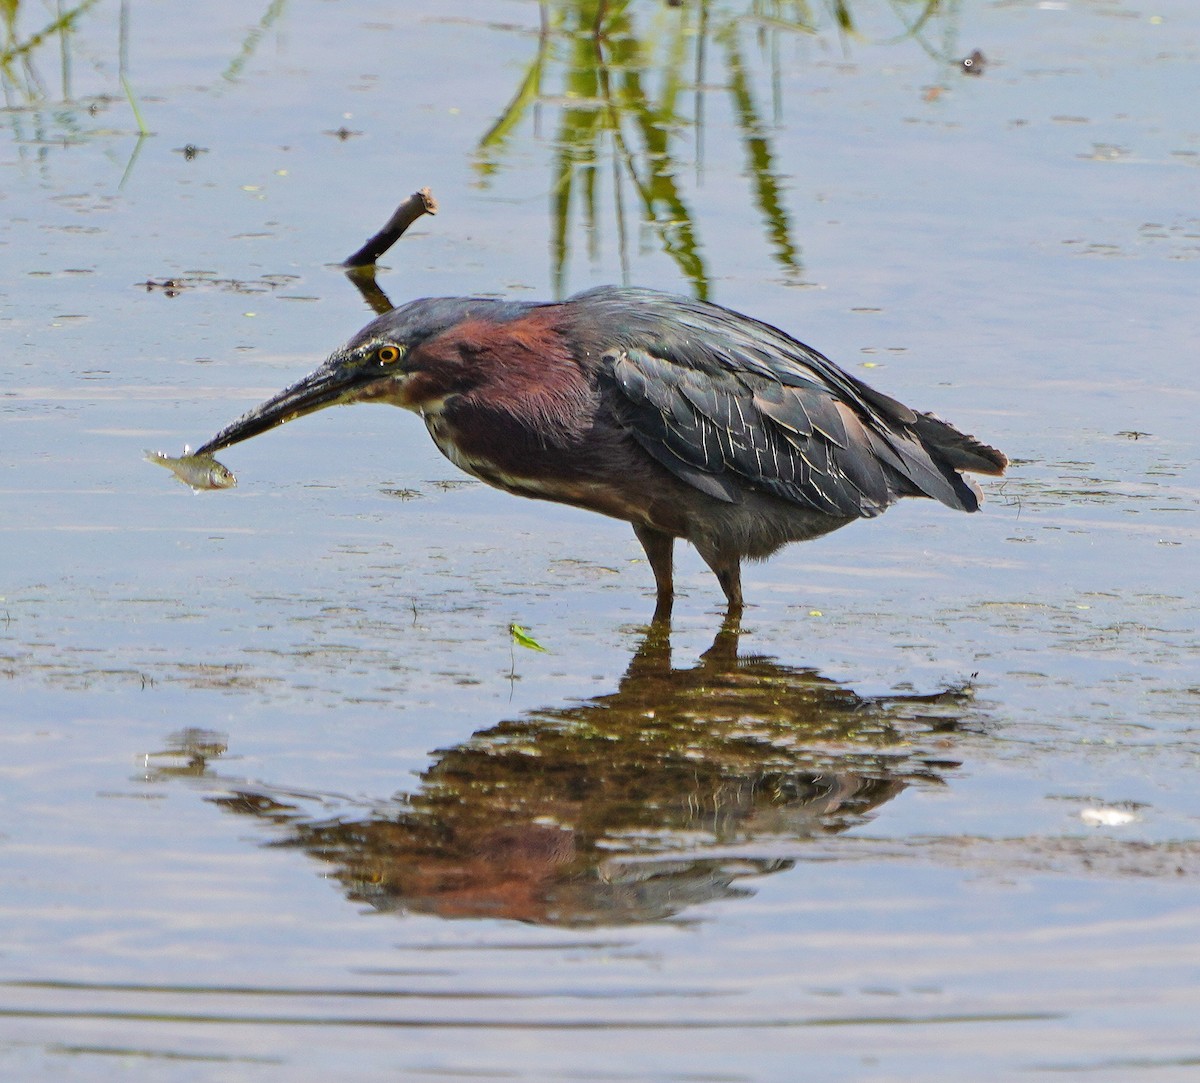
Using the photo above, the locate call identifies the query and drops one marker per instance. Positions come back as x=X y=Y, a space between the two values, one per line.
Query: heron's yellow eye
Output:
x=388 y=354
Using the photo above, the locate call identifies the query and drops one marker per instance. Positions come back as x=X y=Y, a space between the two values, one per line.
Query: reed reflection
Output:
x=629 y=807
x=627 y=84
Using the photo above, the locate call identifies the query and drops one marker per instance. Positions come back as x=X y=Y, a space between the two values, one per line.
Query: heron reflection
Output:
x=633 y=806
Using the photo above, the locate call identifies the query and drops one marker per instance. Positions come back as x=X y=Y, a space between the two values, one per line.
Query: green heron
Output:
x=686 y=419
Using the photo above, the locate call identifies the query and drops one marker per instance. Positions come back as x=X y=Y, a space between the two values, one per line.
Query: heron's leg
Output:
x=727 y=567
x=660 y=551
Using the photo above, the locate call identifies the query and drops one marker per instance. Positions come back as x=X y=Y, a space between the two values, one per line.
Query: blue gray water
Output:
x=282 y=796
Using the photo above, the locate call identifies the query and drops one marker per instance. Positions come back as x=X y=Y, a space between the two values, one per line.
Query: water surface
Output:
x=284 y=799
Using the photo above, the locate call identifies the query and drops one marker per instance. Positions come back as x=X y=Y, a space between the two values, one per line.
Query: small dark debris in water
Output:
x=1132 y=434
x=973 y=64
x=190 y=151
x=171 y=287
x=343 y=133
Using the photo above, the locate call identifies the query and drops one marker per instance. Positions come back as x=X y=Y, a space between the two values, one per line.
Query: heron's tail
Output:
x=932 y=456
x=957 y=449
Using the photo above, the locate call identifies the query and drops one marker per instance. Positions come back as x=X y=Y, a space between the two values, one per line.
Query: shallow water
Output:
x=284 y=799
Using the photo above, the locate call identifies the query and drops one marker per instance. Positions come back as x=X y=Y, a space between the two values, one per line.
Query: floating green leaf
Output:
x=523 y=639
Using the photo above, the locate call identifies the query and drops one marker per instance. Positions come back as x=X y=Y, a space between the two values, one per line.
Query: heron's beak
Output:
x=334 y=382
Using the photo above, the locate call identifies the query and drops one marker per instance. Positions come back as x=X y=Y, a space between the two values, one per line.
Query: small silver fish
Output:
x=201 y=472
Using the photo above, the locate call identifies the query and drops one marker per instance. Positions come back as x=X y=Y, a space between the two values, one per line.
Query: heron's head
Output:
x=384 y=362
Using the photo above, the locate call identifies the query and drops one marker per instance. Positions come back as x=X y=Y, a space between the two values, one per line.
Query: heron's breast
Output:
x=548 y=476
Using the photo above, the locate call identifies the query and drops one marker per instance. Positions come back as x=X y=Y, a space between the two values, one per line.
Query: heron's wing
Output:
x=720 y=431
x=725 y=401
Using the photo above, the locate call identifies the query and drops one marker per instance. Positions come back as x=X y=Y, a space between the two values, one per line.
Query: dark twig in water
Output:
x=405 y=215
